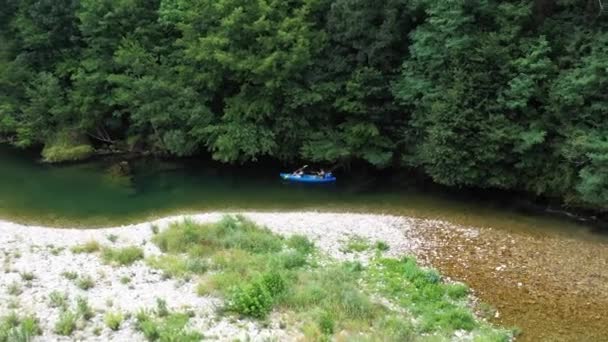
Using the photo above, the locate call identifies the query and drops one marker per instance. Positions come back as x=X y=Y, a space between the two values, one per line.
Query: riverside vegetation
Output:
x=480 y=93
x=253 y=276
x=258 y=272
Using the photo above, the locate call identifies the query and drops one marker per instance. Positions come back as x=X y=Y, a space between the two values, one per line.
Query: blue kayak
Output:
x=328 y=178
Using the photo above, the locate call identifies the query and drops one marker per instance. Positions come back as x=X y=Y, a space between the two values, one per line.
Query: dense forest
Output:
x=475 y=93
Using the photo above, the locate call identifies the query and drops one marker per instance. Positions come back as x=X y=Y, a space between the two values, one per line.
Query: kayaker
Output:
x=321 y=173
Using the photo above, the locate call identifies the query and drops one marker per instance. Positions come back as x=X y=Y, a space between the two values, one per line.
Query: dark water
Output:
x=559 y=259
x=88 y=194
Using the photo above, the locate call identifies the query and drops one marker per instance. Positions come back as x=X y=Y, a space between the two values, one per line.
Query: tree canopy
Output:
x=477 y=93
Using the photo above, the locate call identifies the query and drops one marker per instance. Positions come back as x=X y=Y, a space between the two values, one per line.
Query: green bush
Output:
x=18 y=329
x=355 y=244
x=113 y=320
x=457 y=291
x=85 y=283
x=66 y=324
x=83 y=309
x=166 y=329
x=252 y=299
x=381 y=246
x=87 y=247
x=58 y=299
x=230 y=232
x=274 y=282
x=301 y=244
x=326 y=323
x=122 y=256
x=64 y=146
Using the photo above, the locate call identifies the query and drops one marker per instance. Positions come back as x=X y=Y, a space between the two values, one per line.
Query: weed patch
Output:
x=122 y=256
x=87 y=247
x=14 y=328
x=256 y=272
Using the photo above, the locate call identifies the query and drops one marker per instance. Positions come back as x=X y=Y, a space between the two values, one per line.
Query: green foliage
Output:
x=60 y=153
x=488 y=94
x=253 y=299
x=58 y=300
x=113 y=320
x=14 y=289
x=171 y=327
x=301 y=244
x=83 y=309
x=87 y=247
x=122 y=256
x=85 y=282
x=290 y=276
x=14 y=328
x=69 y=275
x=355 y=244
x=66 y=324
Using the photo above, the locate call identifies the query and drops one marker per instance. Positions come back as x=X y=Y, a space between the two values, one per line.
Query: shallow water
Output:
x=88 y=195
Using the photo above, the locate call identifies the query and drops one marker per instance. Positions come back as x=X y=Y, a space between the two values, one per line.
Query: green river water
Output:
x=87 y=195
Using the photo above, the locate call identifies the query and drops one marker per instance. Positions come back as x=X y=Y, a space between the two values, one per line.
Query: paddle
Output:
x=300 y=169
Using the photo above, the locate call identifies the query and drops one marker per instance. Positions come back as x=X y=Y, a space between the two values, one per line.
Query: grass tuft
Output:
x=257 y=272
x=355 y=244
x=14 y=328
x=122 y=256
x=113 y=320
x=83 y=309
x=85 y=283
x=87 y=247
x=58 y=299
x=14 y=289
x=66 y=324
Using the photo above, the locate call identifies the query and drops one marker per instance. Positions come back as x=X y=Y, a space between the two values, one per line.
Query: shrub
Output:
x=230 y=232
x=113 y=320
x=112 y=238
x=85 y=283
x=274 y=283
x=27 y=276
x=125 y=280
x=161 y=307
x=87 y=247
x=251 y=299
x=178 y=266
x=326 y=323
x=18 y=329
x=292 y=259
x=395 y=328
x=449 y=319
x=83 y=309
x=58 y=299
x=61 y=153
x=381 y=246
x=166 y=329
x=70 y=275
x=301 y=244
x=14 y=289
x=355 y=244
x=66 y=323
x=122 y=256
x=457 y=291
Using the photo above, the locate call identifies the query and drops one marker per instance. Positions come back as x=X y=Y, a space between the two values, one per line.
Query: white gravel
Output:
x=45 y=252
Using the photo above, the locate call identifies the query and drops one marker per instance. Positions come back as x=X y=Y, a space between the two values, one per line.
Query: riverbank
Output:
x=43 y=265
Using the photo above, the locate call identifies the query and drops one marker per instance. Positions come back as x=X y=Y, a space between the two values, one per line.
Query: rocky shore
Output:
x=35 y=261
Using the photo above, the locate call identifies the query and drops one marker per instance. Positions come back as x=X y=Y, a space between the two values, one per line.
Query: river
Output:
x=547 y=276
